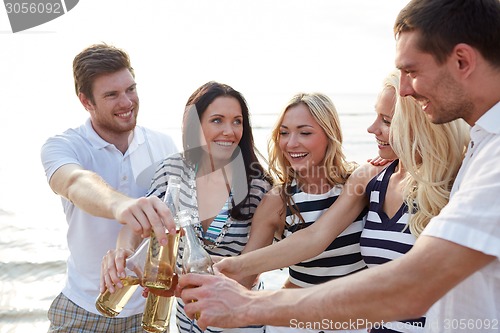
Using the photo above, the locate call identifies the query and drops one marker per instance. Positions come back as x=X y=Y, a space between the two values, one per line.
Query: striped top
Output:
x=216 y=228
x=341 y=257
x=234 y=233
x=386 y=238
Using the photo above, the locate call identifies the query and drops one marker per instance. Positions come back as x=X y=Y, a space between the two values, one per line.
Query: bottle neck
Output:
x=171 y=198
x=195 y=258
x=190 y=234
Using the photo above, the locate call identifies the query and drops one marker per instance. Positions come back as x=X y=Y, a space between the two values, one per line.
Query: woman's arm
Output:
x=267 y=220
x=311 y=241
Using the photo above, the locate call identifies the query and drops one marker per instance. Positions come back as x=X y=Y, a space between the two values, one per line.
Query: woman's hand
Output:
x=230 y=267
x=379 y=161
x=113 y=268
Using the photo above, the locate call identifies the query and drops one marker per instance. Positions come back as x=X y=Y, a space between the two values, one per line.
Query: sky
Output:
x=261 y=47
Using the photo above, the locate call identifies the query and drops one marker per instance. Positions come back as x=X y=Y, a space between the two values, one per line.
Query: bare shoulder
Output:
x=273 y=197
x=366 y=172
x=271 y=209
x=362 y=175
x=271 y=205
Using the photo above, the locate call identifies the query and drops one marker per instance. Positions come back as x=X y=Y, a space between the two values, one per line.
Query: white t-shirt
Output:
x=472 y=219
x=90 y=237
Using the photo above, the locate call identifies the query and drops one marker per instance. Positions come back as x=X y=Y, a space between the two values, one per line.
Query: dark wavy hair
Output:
x=196 y=105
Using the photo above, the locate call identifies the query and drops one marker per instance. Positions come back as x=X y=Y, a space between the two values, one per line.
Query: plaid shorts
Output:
x=66 y=316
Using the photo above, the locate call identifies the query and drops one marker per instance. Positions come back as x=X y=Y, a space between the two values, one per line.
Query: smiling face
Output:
x=301 y=139
x=222 y=126
x=382 y=124
x=116 y=106
x=433 y=85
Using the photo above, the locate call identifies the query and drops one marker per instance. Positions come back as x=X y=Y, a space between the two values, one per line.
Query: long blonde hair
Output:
x=337 y=168
x=430 y=153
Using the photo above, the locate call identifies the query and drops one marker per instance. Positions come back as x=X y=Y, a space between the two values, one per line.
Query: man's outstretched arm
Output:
x=400 y=289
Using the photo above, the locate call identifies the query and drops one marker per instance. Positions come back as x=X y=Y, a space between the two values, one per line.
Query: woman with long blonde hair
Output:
x=310 y=170
x=333 y=169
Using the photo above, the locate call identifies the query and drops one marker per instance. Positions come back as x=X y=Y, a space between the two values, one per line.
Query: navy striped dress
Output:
x=386 y=238
x=341 y=257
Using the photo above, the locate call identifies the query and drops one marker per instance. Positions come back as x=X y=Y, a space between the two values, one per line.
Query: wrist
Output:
x=257 y=310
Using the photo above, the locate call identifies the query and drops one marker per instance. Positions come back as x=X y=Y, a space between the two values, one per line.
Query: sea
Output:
x=267 y=49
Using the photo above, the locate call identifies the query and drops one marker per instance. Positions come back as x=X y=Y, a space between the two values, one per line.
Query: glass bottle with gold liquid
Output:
x=111 y=304
x=157 y=311
x=161 y=263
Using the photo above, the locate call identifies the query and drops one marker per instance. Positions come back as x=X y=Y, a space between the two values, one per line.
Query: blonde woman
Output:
x=401 y=199
x=309 y=166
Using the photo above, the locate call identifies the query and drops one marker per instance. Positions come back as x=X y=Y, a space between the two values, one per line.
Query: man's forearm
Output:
x=91 y=194
x=86 y=190
x=401 y=289
x=344 y=302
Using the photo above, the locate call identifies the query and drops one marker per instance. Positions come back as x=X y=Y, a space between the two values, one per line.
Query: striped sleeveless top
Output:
x=233 y=234
x=342 y=257
x=386 y=238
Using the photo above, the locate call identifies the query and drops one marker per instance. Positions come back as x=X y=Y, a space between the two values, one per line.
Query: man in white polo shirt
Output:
x=95 y=169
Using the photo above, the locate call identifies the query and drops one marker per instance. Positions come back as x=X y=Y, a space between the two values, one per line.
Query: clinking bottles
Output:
x=160 y=269
x=160 y=263
x=111 y=304
x=156 y=316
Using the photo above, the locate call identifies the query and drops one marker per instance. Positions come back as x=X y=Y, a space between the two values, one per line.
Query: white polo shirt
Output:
x=472 y=219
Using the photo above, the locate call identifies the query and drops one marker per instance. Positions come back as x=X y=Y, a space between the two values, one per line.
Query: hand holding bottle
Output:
x=111 y=300
x=113 y=263
x=144 y=216
x=160 y=264
x=159 y=269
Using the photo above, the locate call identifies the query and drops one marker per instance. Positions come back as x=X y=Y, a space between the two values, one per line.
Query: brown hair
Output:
x=94 y=61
